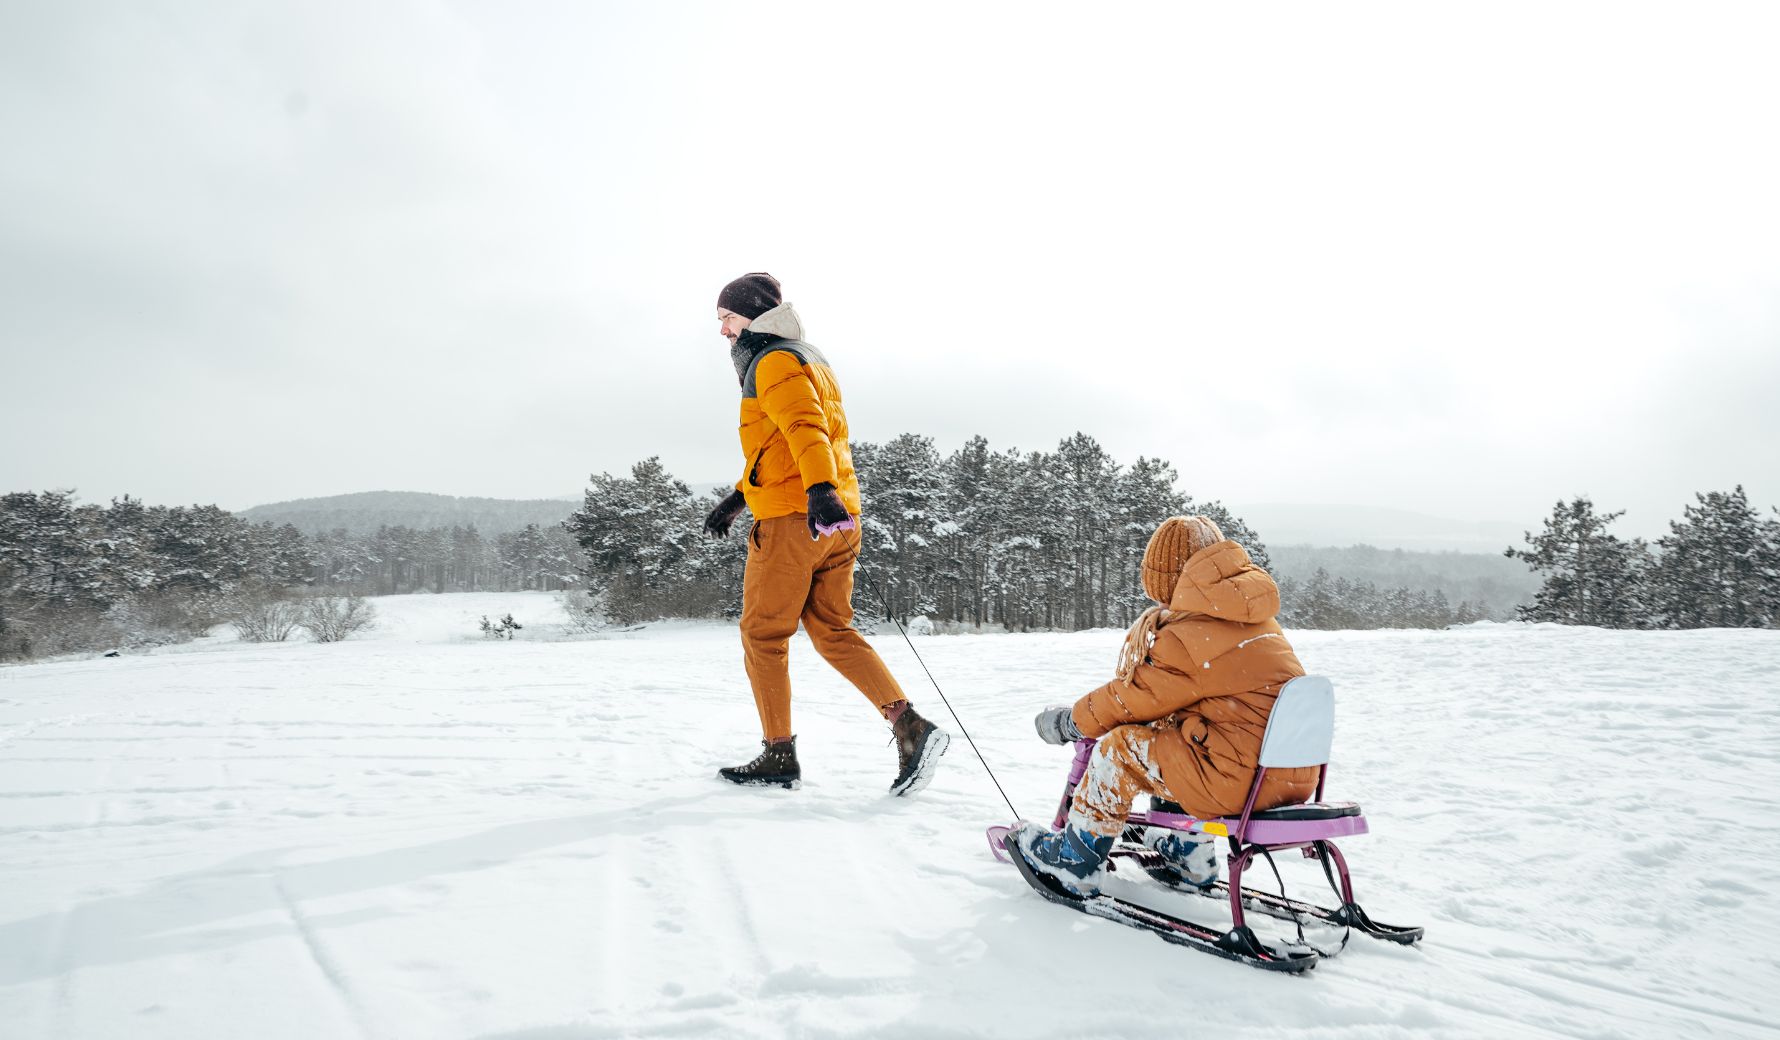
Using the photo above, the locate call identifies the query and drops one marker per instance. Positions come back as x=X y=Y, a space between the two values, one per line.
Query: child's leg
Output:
x=1120 y=770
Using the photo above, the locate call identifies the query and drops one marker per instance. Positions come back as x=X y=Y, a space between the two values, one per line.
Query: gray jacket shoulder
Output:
x=804 y=352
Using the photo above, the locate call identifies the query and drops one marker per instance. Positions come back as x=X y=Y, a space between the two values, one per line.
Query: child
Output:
x=1183 y=720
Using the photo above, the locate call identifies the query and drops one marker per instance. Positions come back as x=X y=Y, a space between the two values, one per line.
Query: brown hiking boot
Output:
x=919 y=744
x=774 y=767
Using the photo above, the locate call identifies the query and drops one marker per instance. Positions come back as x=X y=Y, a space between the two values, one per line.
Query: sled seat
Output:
x=1309 y=811
x=1300 y=811
x=1291 y=825
x=1300 y=731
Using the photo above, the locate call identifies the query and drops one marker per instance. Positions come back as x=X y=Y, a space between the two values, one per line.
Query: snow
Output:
x=423 y=833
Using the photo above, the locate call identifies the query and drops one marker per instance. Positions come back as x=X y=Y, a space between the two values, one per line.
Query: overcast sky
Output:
x=1463 y=260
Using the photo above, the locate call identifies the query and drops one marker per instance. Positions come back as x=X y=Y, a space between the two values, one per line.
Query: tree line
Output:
x=974 y=538
x=1493 y=586
x=978 y=537
x=1323 y=602
x=1021 y=540
x=399 y=559
x=79 y=577
x=1718 y=567
x=365 y=511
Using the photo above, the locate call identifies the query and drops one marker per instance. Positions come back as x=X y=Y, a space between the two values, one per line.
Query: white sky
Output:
x=1463 y=260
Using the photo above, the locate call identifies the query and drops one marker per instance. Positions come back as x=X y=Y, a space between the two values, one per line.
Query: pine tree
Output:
x=348 y=561
x=126 y=558
x=466 y=557
x=44 y=553
x=1083 y=477
x=283 y=557
x=636 y=534
x=1592 y=577
x=1716 y=568
x=537 y=558
x=1146 y=495
x=903 y=483
x=1770 y=567
x=1319 y=607
x=968 y=560
x=717 y=565
x=1013 y=518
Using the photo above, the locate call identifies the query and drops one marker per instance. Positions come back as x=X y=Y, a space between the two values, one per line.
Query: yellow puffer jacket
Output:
x=794 y=431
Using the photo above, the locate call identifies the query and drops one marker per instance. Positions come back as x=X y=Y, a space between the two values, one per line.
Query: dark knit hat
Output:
x=751 y=295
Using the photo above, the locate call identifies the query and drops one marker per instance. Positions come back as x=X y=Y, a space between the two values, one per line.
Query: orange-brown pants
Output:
x=792 y=578
x=1122 y=768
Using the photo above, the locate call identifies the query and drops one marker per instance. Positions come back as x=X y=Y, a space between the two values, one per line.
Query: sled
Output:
x=1300 y=732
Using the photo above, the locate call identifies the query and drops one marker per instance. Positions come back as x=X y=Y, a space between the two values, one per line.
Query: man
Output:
x=800 y=485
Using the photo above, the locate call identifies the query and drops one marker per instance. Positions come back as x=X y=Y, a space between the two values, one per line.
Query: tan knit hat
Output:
x=1170 y=547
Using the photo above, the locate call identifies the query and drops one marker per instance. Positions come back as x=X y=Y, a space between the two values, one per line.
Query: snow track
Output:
x=425 y=834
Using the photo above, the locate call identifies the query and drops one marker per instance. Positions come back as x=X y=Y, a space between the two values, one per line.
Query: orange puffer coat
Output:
x=794 y=431
x=1218 y=661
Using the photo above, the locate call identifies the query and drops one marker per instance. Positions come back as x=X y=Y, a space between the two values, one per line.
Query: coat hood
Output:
x=781 y=321
x=1219 y=581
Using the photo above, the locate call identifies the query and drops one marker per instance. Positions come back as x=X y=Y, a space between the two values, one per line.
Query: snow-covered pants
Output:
x=1120 y=770
x=791 y=578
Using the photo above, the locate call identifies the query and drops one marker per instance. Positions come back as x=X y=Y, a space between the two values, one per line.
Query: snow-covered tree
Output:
x=1591 y=577
x=904 y=482
x=966 y=560
x=537 y=559
x=1144 y=496
x=638 y=535
x=1717 y=567
x=76 y=577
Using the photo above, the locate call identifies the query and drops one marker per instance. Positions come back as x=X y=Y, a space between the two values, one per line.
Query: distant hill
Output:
x=1302 y=524
x=1397 y=548
x=1491 y=580
x=366 y=511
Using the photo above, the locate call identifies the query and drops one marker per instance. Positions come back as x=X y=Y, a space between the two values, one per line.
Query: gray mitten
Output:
x=1056 y=726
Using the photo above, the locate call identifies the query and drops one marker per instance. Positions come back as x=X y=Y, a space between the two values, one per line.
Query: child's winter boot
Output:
x=1074 y=857
x=1192 y=856
x=774 y=767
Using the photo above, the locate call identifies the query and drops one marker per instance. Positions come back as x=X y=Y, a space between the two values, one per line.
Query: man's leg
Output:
x=828 y=620
x=775 y=587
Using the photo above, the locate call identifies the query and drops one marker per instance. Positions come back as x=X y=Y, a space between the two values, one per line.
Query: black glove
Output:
x=1056 y=726
x=717 y=524
x=827 y=513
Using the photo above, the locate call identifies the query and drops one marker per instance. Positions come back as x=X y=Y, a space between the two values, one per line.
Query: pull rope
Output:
x=942 y=694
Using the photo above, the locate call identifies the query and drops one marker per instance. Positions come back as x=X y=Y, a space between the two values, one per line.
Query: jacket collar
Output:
x=772 y=326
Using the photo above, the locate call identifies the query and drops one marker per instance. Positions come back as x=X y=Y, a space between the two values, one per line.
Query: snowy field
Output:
x=421 y=833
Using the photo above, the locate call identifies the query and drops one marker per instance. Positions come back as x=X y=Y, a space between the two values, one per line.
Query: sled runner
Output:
x=1300 y=732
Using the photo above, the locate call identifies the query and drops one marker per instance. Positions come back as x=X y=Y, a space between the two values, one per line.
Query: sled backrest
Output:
x=1301 y=728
